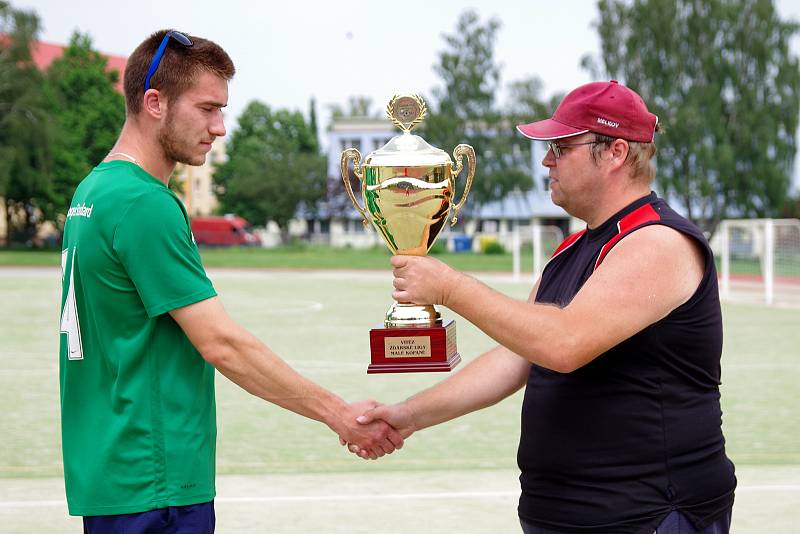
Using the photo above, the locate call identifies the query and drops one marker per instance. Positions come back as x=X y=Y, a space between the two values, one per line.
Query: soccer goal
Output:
x=543 y=239
x=759 y=260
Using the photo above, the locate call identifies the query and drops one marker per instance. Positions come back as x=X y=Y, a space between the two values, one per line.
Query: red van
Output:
x=223 y=231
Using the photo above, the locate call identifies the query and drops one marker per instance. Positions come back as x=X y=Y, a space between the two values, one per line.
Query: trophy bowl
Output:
x=408 y=188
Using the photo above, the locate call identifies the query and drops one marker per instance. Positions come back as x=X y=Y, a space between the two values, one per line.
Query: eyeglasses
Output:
x=179 y=37
x=558 y=148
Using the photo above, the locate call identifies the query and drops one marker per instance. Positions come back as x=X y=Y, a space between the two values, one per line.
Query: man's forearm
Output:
x=646 y=276
x=250 y=364
x=486 y=381
x=536 y=332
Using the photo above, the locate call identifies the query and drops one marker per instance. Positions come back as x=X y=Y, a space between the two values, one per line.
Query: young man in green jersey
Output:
x=141 y=326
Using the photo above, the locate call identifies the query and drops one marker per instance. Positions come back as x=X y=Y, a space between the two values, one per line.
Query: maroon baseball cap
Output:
x=607 y=108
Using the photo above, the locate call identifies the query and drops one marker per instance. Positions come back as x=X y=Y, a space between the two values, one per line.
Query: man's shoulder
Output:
x=659 y=236
x=657 y=213
x=670 y=217
x=668 y=239
x=119 y=180
x=119 y=192
x=158 y=201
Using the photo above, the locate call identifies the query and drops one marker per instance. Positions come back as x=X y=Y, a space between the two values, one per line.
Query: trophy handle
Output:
x=355 y=155
x=469 y=152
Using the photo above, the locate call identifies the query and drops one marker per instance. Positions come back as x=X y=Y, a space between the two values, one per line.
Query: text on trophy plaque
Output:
x=407 y=347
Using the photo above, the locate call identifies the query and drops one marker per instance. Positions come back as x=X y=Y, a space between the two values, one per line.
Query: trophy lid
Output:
x=406 y=149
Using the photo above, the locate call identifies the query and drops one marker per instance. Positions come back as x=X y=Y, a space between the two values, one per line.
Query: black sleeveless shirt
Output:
x=616 y=445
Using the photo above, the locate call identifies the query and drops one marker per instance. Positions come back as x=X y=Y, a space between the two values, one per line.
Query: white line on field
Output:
x=373 y=497
x=789 y=365
x=378 y=497
x=308 y=498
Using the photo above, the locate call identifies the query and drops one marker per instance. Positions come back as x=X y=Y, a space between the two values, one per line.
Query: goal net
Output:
x=759 y=260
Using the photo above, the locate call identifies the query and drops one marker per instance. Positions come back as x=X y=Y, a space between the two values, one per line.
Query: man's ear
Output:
x=154 y=104
x=618 y=151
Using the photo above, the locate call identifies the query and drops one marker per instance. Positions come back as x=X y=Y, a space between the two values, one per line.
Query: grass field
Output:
x=319 y=257
x=297 y=257
x=281 y=473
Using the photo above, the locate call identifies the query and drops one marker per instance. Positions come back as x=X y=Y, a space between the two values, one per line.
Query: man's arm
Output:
x=645 y=276
x=248 y=362
x=487 y=380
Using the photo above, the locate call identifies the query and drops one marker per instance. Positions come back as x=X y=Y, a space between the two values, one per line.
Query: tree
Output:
x=312 y=119
x=465 y=111
x=791 y=208
x=526 y=104
x=721 y=78
x=25 y=130
x=88 y=113
x=274 y=167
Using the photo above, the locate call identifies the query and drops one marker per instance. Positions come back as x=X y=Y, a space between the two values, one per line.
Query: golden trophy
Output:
x=408 y=188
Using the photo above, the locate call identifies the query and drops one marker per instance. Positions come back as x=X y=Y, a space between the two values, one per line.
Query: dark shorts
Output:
x=674 y=523
x=191 y=519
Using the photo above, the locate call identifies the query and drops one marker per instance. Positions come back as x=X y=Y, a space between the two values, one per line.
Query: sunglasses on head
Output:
x=179 y=37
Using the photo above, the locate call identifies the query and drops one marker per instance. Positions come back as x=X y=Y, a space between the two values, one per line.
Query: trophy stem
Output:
x=401 y=314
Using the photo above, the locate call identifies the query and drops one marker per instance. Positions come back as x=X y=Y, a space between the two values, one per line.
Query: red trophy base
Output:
x=413 y=349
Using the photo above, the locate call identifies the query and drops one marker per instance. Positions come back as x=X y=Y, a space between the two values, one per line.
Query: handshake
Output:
x=370 y=429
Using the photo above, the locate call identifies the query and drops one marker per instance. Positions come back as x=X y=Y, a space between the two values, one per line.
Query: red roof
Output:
x=45 y=53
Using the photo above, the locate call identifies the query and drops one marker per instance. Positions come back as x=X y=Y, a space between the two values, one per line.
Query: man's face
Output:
x=194 y=120
x=574 y=177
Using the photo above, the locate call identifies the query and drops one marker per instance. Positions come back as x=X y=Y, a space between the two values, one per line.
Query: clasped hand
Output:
x=381 y=429
x=394 y=422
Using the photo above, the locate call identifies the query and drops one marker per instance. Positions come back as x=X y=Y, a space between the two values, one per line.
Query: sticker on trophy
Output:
x=406 y=111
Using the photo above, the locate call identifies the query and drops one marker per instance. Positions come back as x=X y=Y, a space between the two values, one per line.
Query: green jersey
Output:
x=138 y=418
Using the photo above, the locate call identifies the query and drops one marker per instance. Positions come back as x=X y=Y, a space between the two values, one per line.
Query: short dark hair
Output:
x=178 y=69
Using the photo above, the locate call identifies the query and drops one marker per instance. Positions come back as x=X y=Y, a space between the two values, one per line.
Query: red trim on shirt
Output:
x=568 y=242
x=626 y=225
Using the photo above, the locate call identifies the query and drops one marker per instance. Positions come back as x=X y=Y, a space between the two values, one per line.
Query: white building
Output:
x=336 y=221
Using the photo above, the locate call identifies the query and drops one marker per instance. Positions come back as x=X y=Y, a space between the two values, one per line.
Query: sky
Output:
x=291 y=51
x=288 y=52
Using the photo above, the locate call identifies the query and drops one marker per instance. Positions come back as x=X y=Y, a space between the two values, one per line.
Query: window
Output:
x=351 y=143
x=490 y=226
